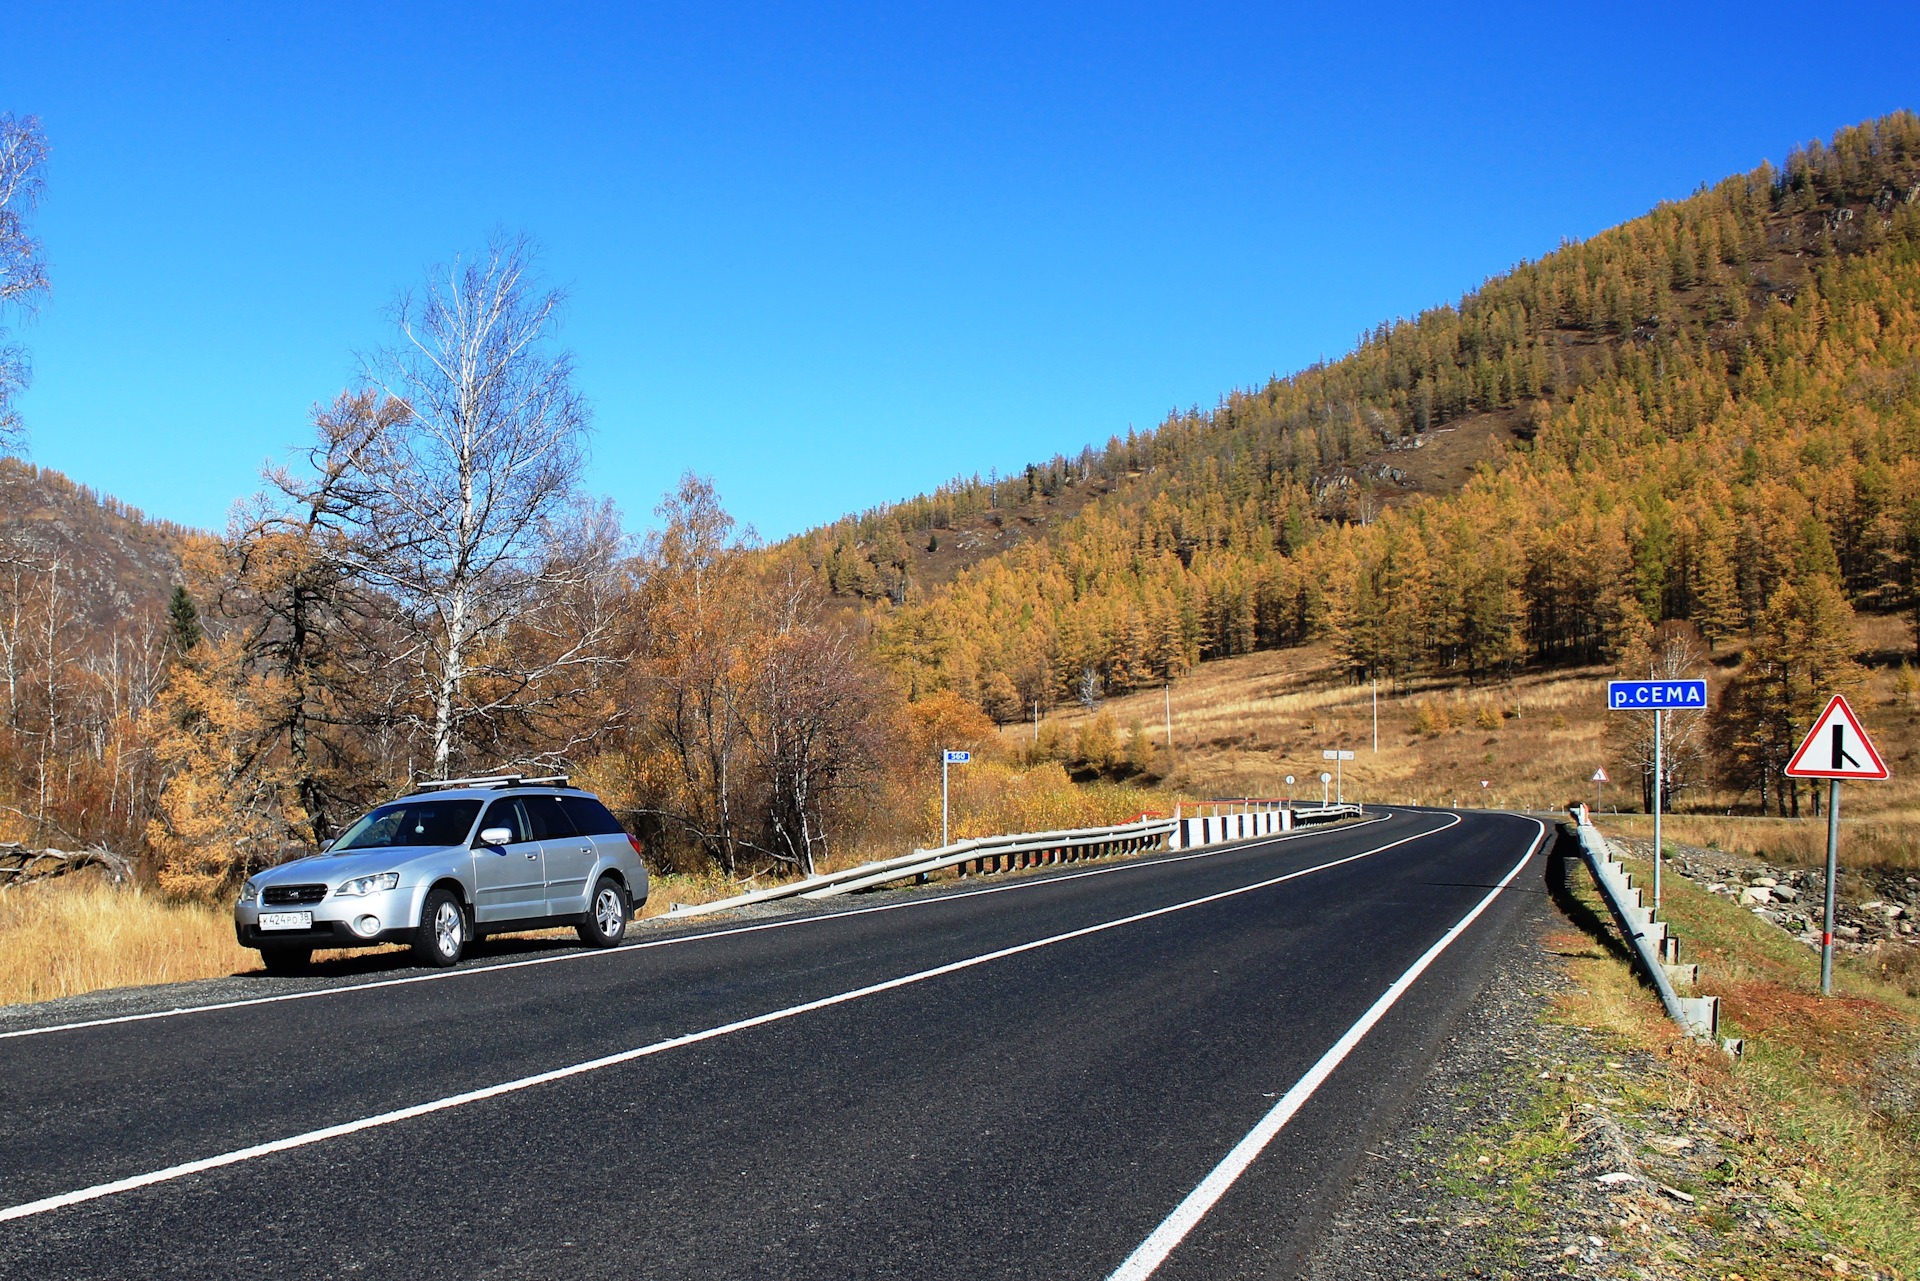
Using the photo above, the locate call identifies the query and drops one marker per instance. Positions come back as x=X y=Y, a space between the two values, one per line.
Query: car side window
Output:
x=507 y=812
x=548 y=819
x=591 y=817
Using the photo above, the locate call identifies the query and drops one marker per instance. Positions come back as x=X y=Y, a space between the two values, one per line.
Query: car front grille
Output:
x=292 y=895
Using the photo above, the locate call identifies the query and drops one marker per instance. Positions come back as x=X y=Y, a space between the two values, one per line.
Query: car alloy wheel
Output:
x=610 y=911
x=443 y=931
x=449 y=929
x=605 y=923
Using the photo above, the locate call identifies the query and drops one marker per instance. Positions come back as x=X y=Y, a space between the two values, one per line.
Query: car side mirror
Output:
x=496 y=836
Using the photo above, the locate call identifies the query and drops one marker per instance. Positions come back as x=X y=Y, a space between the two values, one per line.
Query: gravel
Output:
x=1407 y=1214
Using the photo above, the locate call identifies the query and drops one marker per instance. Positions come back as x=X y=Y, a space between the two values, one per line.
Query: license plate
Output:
x=286 y=920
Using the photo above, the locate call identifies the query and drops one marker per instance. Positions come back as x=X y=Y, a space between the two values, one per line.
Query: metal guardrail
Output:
x=1242 y=820
x=1698 y=1016
x=989 y=853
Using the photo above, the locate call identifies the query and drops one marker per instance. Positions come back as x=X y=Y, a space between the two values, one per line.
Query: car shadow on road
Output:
x=395 y=960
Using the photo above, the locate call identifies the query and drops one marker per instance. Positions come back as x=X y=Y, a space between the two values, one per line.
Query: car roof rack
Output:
x=495 y=781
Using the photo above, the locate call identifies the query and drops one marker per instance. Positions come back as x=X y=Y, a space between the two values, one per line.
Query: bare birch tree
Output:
x=23 y=267
x=815 y=720
x=459 y=496
x=1675 y=653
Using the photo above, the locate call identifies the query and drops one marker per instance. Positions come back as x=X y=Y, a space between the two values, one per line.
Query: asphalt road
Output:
x=1036 y=1106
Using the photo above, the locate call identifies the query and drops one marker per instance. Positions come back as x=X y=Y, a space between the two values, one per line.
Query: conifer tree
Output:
x=183 y=621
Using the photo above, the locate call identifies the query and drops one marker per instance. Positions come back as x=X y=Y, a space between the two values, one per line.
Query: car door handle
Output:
x=533 y=854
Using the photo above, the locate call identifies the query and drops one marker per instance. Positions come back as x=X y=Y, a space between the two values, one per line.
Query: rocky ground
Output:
x=1876 y=909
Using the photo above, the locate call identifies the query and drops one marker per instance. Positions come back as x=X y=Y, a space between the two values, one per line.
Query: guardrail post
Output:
x=1698 y=1016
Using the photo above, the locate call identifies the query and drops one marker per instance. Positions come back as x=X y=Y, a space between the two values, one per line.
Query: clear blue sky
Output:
x=831 y=255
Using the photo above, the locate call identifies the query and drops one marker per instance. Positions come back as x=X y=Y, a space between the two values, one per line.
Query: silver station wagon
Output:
x=450 y=863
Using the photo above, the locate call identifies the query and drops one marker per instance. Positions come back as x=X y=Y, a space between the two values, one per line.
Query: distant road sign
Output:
x=958 y=758
x=1836 y=747
x=1600 y=776
x=1325 y=777
x=1336 y=756
x=1656 y=696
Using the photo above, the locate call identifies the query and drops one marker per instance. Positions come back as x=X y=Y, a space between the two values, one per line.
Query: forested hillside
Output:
x=1697 y=430
x=84 y=581
x=1676 y=418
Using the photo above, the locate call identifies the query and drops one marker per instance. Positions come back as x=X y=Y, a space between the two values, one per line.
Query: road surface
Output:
x=1162 y=1067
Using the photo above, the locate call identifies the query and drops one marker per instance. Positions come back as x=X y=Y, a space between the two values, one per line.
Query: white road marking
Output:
x=811 y=918
x=1152 y=1252
x=99 y=1190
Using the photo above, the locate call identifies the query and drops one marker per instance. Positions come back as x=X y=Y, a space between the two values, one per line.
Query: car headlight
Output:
x=361 y=885
x=249 y=893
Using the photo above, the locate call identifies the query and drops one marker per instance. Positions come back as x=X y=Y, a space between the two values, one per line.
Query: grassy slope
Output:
x=1241 y=725
x=1818 y=1115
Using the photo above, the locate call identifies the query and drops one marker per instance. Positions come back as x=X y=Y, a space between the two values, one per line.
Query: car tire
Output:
x=441 y=938
x=607 y=910
x=286 y=960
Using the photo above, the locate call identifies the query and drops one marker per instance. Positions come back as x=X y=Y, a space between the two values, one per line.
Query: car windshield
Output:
x=410 y=823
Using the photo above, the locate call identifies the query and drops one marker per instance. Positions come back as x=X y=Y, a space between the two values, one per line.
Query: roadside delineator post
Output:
x=1835 y=748
x=948 y=757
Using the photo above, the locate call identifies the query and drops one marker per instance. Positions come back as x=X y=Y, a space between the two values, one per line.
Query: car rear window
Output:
x=549 y=820
x=591 y=817
x=411 y=823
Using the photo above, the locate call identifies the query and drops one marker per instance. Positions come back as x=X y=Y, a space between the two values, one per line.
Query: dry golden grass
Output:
x=62 y=939
x=1801 y=842
x=1241 y=725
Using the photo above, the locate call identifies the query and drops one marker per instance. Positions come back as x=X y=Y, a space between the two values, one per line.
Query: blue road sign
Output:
x=959 y=758
x=1656 y=696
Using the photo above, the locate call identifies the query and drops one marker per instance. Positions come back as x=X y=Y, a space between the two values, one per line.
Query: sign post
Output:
x=1339 y=786
x=1600 y=780
x=1325 y=778
x=948 y=758
x=1657 y=697
x=1835 y=748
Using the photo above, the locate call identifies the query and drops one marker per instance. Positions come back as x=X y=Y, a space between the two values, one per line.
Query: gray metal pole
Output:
x=943 y=798
x=1833 y=869
x=1376 y=716
x=1659 y=770
x=1168 y=688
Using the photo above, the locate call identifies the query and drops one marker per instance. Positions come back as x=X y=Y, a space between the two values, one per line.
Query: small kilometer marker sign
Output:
x=959 y=758
x=1836 y=747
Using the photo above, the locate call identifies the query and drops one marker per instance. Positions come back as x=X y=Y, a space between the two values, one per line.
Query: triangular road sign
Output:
x=1600 y=776
x=1836 y=747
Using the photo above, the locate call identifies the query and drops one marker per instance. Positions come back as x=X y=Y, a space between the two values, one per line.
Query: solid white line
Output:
x=1152 y=1252
x=46 y=1204
x=676 y=940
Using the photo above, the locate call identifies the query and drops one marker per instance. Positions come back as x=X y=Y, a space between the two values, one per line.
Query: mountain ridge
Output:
x=1228 y=530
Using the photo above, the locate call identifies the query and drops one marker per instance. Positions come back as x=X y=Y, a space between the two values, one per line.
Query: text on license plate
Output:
x=286 y=920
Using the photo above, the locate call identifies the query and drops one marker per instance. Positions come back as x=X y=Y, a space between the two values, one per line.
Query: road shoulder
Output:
x=1566 y=1129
